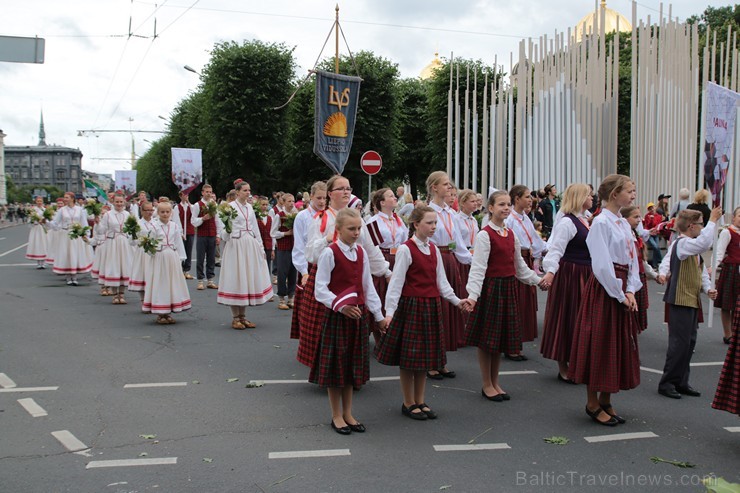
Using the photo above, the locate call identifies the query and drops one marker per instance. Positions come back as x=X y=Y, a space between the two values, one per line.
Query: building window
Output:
x=73 y=173
x=61 y=175
x=24 y=174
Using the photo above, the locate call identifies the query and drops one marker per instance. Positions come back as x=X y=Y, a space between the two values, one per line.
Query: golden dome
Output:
x=587 y=23
x=428 y=71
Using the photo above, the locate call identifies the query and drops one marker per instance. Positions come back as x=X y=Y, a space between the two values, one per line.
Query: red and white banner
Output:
x=720 y=119
x=187 y=168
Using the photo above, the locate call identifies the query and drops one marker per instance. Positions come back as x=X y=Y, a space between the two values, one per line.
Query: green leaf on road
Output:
x=232 y=380
x=445 y=487
x=207 y=459
x=143 y=454
x=673 y=462
x=196 y=382
x=557 y=440
x=254 y=384
x=719 y=485
x=148 y=437
x=276 y=346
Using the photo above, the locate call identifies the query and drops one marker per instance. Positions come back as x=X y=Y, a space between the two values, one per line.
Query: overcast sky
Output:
x=96 y=77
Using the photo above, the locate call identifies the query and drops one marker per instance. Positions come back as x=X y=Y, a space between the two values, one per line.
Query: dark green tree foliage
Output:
x=154 y=169
x=413 y=163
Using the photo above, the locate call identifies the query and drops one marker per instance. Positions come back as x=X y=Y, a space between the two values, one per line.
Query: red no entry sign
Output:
x=371 y=162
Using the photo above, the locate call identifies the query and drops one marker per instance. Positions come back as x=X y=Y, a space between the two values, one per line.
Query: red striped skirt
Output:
x=495 y=322
x=311 y=316
x=643 y=303
x=452 y=317
x=414 y=340
x=561 y=312
x=727 y=396
x=728 y=286
x=341 y=357
x=527 y=303
x=605 y=354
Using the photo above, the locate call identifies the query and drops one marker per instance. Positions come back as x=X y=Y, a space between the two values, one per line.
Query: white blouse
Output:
x=468 y=227
x=560 y=236
x=480 y=263
x=112 y=223
x=169 y=236
x=323 y=278
x=524 y=230
x=392 y=229
x=66 y=216
x=245 y=223
x=447 y=232
x=300 y=236
x=398 y=279
x=610 y=241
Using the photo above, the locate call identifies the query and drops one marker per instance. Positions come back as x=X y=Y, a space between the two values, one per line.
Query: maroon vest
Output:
x=577 y=250
x=265 y=232
x=732 y=254
x=347 y=274
x=421 y=278
x=501 y=257
x=187 y=226
x=208 y=228
x=286 y=242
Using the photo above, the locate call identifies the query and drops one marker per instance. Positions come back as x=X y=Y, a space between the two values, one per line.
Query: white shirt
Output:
x=722 y=243
x=610 y=241
x=187 y=212
x=245 y=223
x=195 y=210
x=401 y=267
x=66 y=216
x=393 y=230
x=275 y=226
x=447 y=232
x=560 y=236
x=111 y=223
x=323 y=277
x=688 y=247
x=300 y=237
x=169 y=236
x=524 y=230
x=481 y=258
x=468 y=226
x=406 y=210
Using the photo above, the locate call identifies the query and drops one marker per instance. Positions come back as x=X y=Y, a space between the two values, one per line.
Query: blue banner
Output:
x=336 y=111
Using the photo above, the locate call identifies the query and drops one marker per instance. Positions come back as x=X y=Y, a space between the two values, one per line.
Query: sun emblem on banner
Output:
x=336 y=125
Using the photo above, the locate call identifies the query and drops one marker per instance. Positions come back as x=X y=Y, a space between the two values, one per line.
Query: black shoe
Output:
x=726 y=340
x=608 y=410
x=595 y=416
x=430 y=414
x=344 y=430
x=566 y=380
x=435 y=376
x=672 y=393
x=448 y=374
x=515 y=357
x=408 y=411
x=494 y=398
x=688 y=391
x=357 y=427
x=505 y=396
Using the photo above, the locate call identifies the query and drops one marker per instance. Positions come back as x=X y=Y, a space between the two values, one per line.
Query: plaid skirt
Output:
x=381 y=282
x=495 y=322
x=311 y=316
x=527 y=303
x=295 y=327
x=643 y=303
x=452 y=317
x=414 y=339
x=342 y=352
x=561 y=312
x=727 y=397
x=728 y=286
x=605 y=354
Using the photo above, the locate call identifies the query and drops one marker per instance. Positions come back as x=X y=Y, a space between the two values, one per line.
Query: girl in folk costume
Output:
x=244 y=279
x=165 y=288
x=314 y=212
x=468 y=226
x=264 y=221
x=414 y=340
x=388 y=232
x=53 y=235
x=115 y=267
x=727 y=396
x=449 y=242
x=533 y=247
x=322 y=233
x=140 y=261
x=728 y=285
x=634 y=218
x=72 y=256
x=605 y=355
x=345 y=287
x=37 y=242
x=98 y=242
x=567 y=266
x=283 y=236
x=497 y=268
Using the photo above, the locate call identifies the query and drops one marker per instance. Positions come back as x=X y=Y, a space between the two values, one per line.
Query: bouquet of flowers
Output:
x=34 y=217
x=259 y=213
x=227 y=215
x=288 y=220
x=211 y=208
x=479 y=217
x=77 y=230
x=149 y=244
x=93 y=207
x=131 y=227
x=49 y=212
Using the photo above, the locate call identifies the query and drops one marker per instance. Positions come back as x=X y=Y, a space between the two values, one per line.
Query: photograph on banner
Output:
x=187 y=168
x=126 y=181
x=720 y=123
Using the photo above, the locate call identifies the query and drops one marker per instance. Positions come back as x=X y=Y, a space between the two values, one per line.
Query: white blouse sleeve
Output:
x=482 y=250
x=398 y=278
x=323 y=277
x=523 y=273
x=722 y=243
x=372 y=300
x=601 y=262
x=561 y=234
x=379 y=266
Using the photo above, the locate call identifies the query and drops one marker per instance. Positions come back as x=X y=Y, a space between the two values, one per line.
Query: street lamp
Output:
x=191 y=69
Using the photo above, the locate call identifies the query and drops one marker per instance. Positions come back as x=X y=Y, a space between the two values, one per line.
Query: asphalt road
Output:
x=67 y=355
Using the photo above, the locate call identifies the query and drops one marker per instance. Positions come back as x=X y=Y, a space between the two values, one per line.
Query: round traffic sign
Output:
x=371 y=162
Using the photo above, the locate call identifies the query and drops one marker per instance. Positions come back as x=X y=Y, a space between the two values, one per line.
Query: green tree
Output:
x=414 y=162
x=154 y=169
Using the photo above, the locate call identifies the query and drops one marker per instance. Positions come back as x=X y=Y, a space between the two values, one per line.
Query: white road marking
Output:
x=13 y=250
x=131 y=462
x=33 y=409
x=69 y=441
x=472 y=446
x=709 y=363
x=148 y=385
x=394 y=378
x=620 y=436
x=28 y=389
x=651 y=370
x=6 y=382
x=298 y=454
x=521 y=372
x=17 y=265
x=733 y=429
x=3 y=238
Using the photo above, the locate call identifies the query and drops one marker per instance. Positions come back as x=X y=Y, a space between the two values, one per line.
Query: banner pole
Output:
x=336 y=38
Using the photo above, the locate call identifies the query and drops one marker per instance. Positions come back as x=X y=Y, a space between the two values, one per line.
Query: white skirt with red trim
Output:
x=72 y=257
x=115 y=266
x=166 y=290
x=244 y=279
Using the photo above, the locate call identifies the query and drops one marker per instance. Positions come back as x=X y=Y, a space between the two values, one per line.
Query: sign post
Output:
x=371 y=163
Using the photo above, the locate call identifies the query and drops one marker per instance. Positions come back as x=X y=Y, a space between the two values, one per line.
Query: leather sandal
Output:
x=162 y=320
x=169 y=319
x=237 y=324
x=247 y=324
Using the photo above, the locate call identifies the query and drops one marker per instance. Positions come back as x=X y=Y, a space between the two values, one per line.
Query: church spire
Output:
x=42 y=133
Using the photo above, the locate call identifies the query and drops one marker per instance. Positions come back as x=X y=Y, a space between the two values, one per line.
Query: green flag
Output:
x=94 y=189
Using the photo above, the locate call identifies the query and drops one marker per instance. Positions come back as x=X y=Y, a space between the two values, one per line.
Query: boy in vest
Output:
x=686 y=276
x=183 y=213
x=207 y=239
